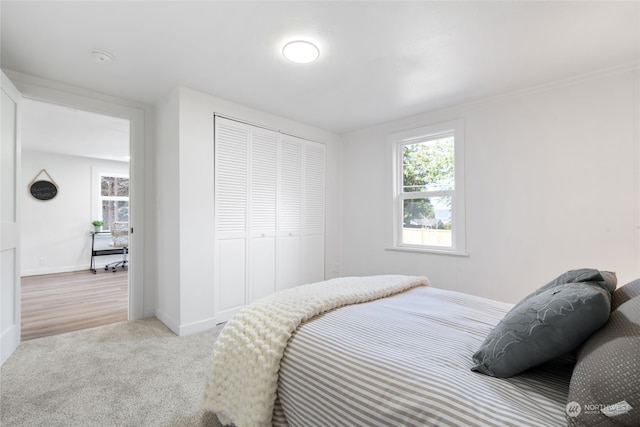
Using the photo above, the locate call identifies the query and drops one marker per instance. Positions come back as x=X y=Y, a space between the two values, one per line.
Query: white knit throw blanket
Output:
x=242 y=379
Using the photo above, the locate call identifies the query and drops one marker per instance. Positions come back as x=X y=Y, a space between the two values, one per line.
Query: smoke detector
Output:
x=101 y=56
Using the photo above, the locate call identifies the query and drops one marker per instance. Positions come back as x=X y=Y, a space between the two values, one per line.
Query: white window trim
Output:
x=458 y=217
x=96 y=195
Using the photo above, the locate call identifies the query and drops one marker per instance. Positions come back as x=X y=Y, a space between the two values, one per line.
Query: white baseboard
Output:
x=68 y=268
x=188 y=329
x=199 y=326
x=9 y=341
x=168 y=321
x=54 y=270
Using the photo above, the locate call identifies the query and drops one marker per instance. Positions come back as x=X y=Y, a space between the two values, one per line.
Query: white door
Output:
x=230 y=217
x=313 y=216
x=9 y=229
x=230 y=277
x=263 y=206
x=290 y=212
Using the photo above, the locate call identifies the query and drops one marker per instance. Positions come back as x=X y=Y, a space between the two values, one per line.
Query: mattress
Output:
x=406 y=360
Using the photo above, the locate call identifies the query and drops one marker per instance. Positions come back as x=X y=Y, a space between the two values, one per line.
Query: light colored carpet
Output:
x=135 y=373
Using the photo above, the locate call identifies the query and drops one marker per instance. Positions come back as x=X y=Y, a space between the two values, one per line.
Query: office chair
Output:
x=120 y=239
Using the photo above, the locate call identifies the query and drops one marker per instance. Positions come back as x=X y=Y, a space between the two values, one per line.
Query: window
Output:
x=428 y=188
x=114 y=199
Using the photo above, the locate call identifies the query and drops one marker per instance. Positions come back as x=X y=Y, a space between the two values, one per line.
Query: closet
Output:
x=269 y=213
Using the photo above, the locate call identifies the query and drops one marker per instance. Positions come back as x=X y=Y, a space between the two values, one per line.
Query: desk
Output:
x=99 y=252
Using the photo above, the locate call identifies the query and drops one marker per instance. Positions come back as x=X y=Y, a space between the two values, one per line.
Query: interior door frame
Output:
x=136 y=117
x=10 y=323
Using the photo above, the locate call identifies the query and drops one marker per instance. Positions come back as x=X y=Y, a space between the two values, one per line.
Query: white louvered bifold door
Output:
x=263 y=203
x=269 y=213
x=231 y=216
x=290 y=212
x=313 y=188
x=313 y=213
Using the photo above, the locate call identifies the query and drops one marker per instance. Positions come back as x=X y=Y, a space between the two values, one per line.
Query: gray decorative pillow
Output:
x=605 y=279
x=609 y=281
x=543 y=327
x=605 y=385
x=625 y=293
x=573 y=276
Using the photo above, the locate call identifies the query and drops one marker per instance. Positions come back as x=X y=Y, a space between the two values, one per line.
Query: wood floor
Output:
x=57 y=303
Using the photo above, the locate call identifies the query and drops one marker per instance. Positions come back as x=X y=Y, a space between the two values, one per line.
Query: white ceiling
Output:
x=63 y=130
x=379 y=61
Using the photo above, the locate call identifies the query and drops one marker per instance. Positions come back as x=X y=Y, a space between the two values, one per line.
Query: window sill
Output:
x=428 y=251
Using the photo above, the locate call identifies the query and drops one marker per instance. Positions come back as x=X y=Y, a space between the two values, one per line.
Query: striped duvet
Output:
x=405 y=360
x=242 y=379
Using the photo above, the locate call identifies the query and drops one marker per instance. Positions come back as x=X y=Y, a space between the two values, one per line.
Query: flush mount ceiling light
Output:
x=101 y=56
x=301 y=51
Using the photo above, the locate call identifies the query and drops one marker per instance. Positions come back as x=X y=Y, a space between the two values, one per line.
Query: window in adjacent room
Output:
x=114 y=199
x=428 y=190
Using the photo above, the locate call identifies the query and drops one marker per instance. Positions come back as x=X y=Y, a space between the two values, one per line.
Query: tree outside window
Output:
x=428 y=198
x=114 y=199
x=428 y=166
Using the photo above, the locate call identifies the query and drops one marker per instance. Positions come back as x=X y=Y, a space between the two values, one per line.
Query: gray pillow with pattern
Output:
x=546 y=325
x=607 y=280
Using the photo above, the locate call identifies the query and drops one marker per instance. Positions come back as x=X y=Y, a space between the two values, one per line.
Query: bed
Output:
x=400 y=353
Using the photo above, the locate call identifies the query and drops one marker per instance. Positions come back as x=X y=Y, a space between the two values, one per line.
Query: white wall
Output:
x=167 y=212
x=55 y=233
x=191 y=155
x=551 y=185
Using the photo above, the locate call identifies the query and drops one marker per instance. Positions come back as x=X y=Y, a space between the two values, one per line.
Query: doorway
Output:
x=81 y=152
